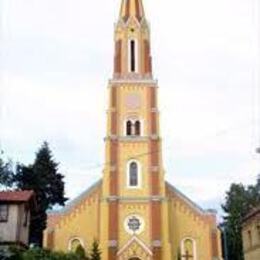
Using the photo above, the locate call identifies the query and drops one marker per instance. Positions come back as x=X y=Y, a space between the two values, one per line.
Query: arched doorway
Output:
x=134 y=258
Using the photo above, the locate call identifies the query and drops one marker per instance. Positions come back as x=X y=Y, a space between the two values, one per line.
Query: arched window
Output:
x=133 y=127
x=128 y=127
x=75 y=243
x=133 y=174
x=137 y=128
x=133 y=178
x=188 y=249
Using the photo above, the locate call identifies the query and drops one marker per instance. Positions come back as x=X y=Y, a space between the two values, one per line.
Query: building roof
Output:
x=186 y=199
x=72 y=203
x=16 y=196
x=252 y=214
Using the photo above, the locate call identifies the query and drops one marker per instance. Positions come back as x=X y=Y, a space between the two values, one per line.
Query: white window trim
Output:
x=136 y=55
x=194 y=247
x=75 y=238
x=139 y=175
x=133 y=121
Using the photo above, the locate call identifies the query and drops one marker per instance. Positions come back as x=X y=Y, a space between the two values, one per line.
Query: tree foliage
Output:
x=6 y=174
x=44 y=178
x=95 y=253
x=80 y=252
x=238 y=202
x=37 y=254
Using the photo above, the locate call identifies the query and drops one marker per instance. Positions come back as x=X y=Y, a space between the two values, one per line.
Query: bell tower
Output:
x=134 y=217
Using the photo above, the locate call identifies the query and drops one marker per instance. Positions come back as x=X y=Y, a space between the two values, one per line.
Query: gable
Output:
x=173 y=191
x=78 y=200
x=55 y=216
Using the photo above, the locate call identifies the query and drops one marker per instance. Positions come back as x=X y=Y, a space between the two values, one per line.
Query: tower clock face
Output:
x=133 y=101
x=134 y=224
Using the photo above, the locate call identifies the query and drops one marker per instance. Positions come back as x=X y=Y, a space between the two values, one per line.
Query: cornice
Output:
x=127 y=80
x=135 y=199
x=132 y=139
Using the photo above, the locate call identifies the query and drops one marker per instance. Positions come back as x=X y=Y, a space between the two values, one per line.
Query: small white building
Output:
x=15 y=208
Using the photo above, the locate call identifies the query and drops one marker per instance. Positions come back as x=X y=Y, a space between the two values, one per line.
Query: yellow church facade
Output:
x=132 y=211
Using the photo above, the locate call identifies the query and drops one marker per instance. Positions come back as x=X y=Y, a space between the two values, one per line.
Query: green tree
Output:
x=16 y=253
x=238 y=202
x=44 y=178
x=254 y=194
x=81 y=253
x=6 y=174
x=95 y=253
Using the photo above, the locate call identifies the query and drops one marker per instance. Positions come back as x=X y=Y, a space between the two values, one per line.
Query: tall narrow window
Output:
x=137 y=128
x=132 y=55
x=129 y=128
x=133 y=174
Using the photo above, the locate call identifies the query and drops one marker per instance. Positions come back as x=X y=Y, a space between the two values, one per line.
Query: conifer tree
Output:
x=44 y=178
x=81 y=253
x=6 y=174
x=95 y=251
x=239 y=201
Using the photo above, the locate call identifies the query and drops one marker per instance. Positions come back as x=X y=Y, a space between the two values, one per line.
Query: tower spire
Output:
x=132 y=8
x=132 y=42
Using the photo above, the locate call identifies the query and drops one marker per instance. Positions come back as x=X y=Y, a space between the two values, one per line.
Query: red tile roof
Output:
x=16 y=196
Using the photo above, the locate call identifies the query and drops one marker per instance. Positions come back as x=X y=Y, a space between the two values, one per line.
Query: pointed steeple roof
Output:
x=132 y=8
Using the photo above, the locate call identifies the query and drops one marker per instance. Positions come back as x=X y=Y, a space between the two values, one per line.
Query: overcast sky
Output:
x=56 y=58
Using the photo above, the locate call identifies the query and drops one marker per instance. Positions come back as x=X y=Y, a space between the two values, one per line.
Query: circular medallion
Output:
x=133 y=101
x=134 y=224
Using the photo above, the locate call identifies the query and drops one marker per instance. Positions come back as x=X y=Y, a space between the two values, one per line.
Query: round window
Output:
x=134 y=224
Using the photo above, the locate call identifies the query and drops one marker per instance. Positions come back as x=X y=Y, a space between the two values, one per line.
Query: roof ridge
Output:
x=188 y=200
x=77 y=199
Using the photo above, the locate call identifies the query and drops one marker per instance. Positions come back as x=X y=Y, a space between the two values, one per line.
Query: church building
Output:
x=132 y=211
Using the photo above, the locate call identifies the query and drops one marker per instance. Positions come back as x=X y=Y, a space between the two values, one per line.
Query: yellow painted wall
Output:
x=183 y=223
x=82 y=221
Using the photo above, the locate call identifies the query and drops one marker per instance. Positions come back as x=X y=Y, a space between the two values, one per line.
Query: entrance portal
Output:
x=134 y=258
